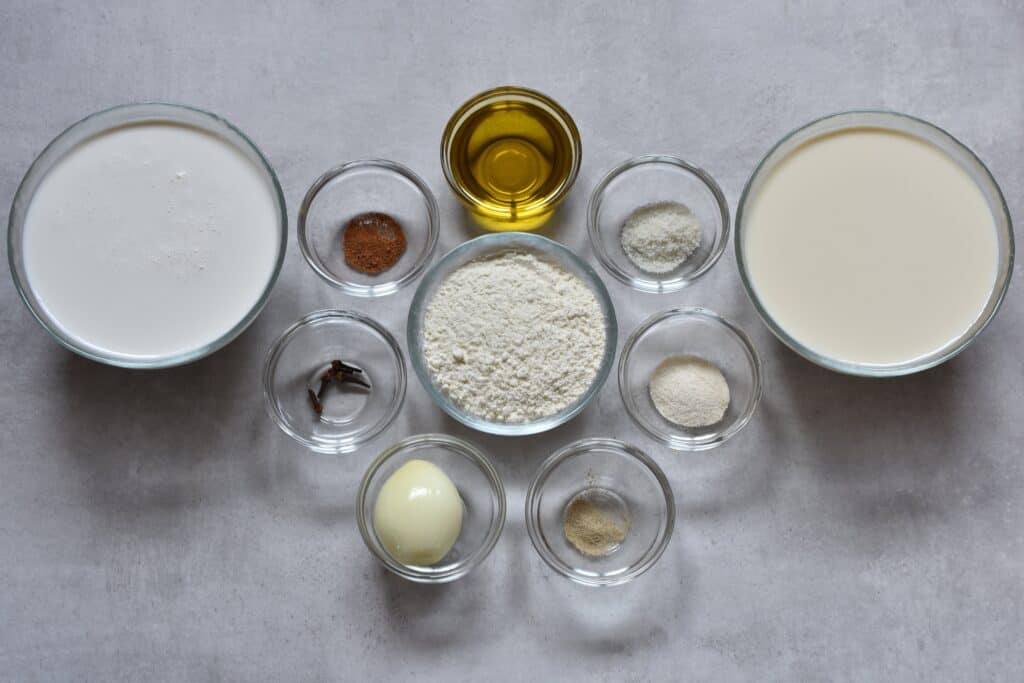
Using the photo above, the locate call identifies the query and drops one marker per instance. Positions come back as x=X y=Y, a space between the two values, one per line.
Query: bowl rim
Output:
x=273 y=355
x=458 y=118
x=149 y=111
x=583 y=446
x=451 y=444
x=675 y=441
x=996 y=297
x=385 y=287
x=648 y=285
x=509 y=240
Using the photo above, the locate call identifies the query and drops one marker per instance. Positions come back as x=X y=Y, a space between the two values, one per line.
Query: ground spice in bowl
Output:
x=373 y=242
x=689 y=391
x=592 y=524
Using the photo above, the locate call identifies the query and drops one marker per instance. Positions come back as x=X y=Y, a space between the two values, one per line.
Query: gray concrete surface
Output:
x=157 y=526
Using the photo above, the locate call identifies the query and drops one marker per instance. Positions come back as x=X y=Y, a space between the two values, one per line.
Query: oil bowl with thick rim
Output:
x=511 y=155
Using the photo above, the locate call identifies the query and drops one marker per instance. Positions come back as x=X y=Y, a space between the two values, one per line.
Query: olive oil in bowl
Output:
x=511 y=155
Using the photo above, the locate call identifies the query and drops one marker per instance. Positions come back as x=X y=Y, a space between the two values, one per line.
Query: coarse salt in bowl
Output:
x=651 y=180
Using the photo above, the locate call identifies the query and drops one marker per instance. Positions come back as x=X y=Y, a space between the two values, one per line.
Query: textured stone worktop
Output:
x=158 y=526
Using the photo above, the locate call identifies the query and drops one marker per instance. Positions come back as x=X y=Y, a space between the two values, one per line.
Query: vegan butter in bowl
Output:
x=147 y=235
x=874 y=243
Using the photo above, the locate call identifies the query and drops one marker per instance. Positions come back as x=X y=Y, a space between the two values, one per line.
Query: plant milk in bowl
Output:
x=872 y=248
x=151 y=242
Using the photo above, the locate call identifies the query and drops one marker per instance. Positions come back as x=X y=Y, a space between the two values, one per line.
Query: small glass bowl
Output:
x=648 y=180
x=489 y=244
x=510 y=112
x=698 y=332
x=370 y=185
x=351 y=414
x=627 y=482
x=479 y=485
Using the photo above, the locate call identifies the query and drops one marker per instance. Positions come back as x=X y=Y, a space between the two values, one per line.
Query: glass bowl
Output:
x=531 y=121
x=102 y=122
x=490 y=244
x=352 y=415
x=371 y=185
x=648 y=180
x=621 y=480
x=945 y=142
x=480 y=488
x=698 y=332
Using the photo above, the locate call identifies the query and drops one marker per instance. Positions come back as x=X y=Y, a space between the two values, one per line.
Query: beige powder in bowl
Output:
x=689 y=391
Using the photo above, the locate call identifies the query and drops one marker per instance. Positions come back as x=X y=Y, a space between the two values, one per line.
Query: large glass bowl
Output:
x=101 y=122
x=934 y=135
x=489 y=244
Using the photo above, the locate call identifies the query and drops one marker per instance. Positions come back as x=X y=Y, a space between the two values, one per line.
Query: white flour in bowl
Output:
x=513 y=338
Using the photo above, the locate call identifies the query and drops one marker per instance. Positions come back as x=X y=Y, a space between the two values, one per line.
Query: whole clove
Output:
x=338 y=367
x=325 y=381
x=352 y=379
x=317 y=406
x=338 y=372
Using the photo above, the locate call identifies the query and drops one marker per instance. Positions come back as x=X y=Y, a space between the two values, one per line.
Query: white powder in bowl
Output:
x=658 y=238
x=689 y=391
x=513 y=338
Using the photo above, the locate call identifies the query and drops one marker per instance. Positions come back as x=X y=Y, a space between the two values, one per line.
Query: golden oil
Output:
x=511 y=155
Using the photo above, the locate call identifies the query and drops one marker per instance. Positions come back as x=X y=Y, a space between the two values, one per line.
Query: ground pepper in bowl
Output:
x=373 y=242
x=595 y=522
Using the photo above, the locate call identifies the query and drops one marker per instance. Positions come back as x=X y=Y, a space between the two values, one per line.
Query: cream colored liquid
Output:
x=871 y=246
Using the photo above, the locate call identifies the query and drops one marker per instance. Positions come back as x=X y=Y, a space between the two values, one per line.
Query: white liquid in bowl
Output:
x=151 y=239
x=870 y=246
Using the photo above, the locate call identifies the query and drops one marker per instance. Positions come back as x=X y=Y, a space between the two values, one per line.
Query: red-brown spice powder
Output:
x=373 y=242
